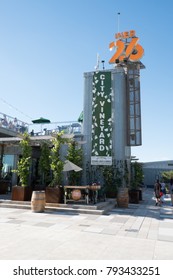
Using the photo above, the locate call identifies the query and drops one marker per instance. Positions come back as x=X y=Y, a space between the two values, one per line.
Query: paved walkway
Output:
x=143 y=232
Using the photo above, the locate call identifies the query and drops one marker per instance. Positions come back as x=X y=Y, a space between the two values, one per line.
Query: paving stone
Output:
x=44 y=224
x=142 y=231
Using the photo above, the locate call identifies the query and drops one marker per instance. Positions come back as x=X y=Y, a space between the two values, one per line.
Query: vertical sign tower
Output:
x=112 y=111
x=101 y=153
x=128 y=54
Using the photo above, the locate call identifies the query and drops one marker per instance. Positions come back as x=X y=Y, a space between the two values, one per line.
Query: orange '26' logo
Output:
x=126 y=50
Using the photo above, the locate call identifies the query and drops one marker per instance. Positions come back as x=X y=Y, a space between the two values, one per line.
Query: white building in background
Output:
x=153 y=171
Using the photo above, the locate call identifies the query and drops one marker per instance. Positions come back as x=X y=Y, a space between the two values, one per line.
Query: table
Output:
x=90 y=193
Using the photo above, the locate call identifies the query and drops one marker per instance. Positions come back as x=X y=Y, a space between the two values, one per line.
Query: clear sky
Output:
x=47 y=45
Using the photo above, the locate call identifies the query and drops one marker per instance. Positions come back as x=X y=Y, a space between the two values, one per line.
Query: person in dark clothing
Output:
x=157 y=190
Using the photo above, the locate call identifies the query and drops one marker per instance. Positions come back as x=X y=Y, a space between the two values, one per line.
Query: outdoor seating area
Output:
x=72 y=194
x=46 y=127
x=86 y=194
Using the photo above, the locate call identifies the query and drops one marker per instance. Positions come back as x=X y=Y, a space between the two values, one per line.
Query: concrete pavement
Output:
x=141 y=232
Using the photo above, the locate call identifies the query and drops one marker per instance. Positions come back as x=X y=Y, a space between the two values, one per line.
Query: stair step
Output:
x=73 y=210
x=98 y=209
x=13 y=205
x=54 y=209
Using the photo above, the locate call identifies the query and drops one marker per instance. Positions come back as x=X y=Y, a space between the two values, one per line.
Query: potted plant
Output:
x=116 y=182
x=110 y=175
x=54 y=192
x=136 y=179
x=44 y=166
x=22 y=192
x=38 y=200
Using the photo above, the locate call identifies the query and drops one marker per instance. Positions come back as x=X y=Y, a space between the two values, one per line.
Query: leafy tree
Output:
x=136 y=174
x=56 y=163
x=44 y=163
x=112 y=180
x=167 y=175
x=126 y=174
x=24 y=163
x=74 y=155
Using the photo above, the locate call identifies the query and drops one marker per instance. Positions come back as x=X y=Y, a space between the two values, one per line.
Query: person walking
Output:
x=157 y=189
x=171 y=190
x=163 y=191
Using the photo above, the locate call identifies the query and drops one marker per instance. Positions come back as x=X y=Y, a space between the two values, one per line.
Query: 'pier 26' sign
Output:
x=101 y=153
x=127 y=47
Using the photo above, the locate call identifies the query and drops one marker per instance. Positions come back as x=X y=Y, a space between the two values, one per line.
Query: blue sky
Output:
x=47 y=45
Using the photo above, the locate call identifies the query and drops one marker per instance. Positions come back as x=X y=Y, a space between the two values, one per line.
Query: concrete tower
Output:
x=112 y=110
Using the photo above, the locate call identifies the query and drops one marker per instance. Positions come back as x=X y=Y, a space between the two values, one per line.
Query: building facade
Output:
x=153 y=171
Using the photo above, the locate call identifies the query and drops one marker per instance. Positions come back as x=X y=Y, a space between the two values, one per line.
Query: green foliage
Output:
x=112 y=179
x=136 y=175
x=167 y=175
x=44 y=163
x=24 y=164
x=126 y=174
x=56 y=163
x=74 y=155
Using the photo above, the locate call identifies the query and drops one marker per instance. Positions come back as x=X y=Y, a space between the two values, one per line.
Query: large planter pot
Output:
x=38 y=201
x=21 y=193
x=4 y=186
x=54 y=194
x=123 y=198
x=134 y=196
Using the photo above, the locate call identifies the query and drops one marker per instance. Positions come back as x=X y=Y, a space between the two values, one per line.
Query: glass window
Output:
x=8 y=164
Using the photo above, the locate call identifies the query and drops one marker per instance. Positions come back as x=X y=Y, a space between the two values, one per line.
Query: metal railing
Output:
x=12 y=124
x=69 y=127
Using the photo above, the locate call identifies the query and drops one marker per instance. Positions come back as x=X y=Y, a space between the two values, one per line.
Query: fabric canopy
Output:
x=41 y=121
x=70 y=166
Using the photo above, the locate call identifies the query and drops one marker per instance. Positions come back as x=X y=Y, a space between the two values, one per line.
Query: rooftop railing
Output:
x=69 y=127
x=14 y=124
